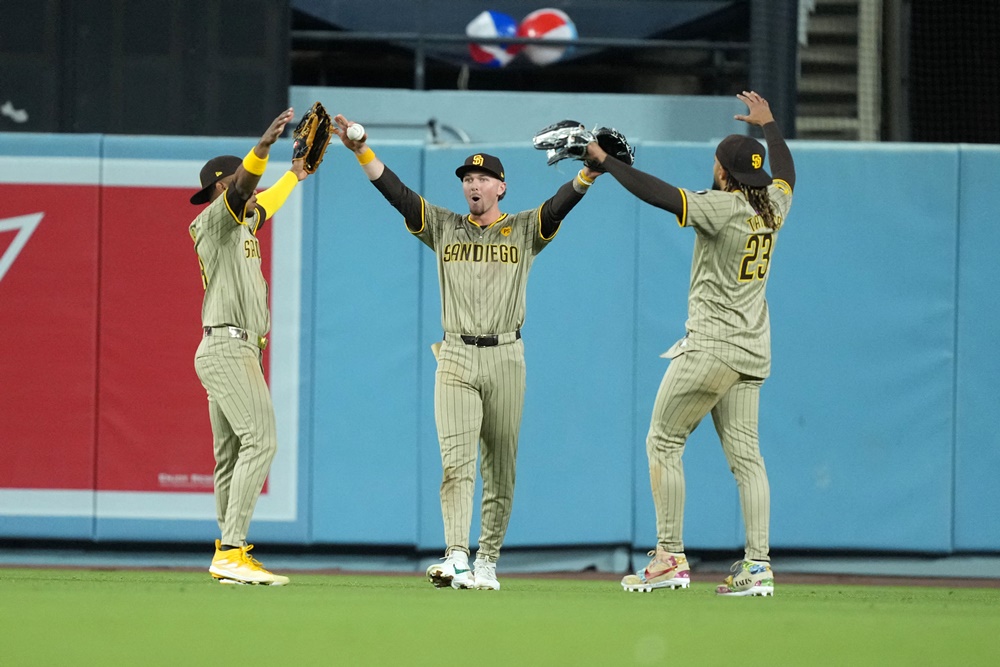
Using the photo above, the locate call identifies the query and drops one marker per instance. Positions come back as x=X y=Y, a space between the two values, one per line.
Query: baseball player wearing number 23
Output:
x=483 y=260
x=235 y=319
x=720 y=365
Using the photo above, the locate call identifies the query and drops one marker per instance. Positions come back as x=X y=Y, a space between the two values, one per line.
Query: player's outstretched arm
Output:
x=645 y=186
x=402 y=198
x=274 y=197
x=372 y=166
x=248 y=174
x=558 y=206
x=252 y=168
x=778 y=156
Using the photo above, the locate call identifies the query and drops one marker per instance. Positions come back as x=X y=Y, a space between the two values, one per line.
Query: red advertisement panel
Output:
x=48 y=323
x=153 y=427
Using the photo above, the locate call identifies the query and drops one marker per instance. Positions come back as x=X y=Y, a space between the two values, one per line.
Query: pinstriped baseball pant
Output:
x=695 y=384
x=478 y=402
x=243 y=429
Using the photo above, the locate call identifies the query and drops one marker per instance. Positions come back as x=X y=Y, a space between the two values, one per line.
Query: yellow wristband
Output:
x=583 y=180
x=255 y=165
x=366 y=157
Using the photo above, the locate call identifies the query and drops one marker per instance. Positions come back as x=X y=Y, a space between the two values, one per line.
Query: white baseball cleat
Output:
x=454 y=571
x=485 y=575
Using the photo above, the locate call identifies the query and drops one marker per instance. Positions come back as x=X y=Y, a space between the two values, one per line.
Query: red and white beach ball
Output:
x=546 y=24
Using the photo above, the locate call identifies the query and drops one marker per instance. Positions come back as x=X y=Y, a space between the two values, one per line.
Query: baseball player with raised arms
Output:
x=720 y=365
x=483 y=260
x=235 y=319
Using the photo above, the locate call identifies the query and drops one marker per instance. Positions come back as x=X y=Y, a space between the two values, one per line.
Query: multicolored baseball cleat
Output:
x=237 y=566
x=665 y=570
x=748 y=578
x=454 y=571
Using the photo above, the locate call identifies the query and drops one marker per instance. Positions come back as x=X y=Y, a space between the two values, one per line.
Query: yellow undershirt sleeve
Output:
x=274 y=197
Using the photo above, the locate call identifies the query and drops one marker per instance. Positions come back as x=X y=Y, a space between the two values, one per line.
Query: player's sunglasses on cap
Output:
x=481 y=162
x=743 y=157
x=214 y=171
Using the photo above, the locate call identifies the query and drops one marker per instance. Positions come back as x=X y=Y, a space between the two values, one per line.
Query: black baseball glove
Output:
x=312 y=135
x=565 y=139
x=614 y=144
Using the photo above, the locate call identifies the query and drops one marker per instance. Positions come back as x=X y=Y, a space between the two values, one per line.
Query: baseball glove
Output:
x=565 y=139
x=312 y=135
x=614 y=144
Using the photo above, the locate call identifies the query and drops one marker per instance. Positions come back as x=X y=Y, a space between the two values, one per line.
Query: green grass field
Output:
x=124 y=618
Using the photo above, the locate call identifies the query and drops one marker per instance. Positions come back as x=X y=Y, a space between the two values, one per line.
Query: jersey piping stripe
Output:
x=259 y=218
x=540 y=234
x=682 y=218
x=231 y=211
x=423 y=221
x=472 y=222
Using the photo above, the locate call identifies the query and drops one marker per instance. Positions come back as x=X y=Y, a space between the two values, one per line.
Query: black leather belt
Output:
x=236 y=332
x=487 y=341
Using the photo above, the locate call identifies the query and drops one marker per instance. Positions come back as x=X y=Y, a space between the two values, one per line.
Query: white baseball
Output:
x=355 y=131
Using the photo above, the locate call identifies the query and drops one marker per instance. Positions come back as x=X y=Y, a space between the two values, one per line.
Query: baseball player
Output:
x=720 y=364
x=235 y=319
x=483 y=260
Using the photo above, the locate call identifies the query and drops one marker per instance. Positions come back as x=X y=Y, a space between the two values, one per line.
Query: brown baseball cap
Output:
x=214 y=171
x=743 y=158
x=481 y=162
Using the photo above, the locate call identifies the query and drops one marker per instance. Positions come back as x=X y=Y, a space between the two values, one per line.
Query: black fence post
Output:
x=774 y=57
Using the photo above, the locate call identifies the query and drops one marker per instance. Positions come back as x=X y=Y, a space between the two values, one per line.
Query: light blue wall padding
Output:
x=47 y=527
x=877 y=425
x=49 y=145
x=977 y=406
x=365 y=312
x=858 y=413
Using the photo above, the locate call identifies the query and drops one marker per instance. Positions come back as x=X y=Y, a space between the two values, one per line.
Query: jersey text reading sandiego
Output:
x=477 y=252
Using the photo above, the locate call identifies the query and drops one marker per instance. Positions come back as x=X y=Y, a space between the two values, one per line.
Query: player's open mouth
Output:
x=475 y=198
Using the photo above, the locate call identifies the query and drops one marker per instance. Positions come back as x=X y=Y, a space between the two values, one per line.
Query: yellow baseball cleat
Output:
x=237 y=566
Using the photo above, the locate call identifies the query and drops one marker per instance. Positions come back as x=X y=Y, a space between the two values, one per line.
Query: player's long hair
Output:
x=761 y=202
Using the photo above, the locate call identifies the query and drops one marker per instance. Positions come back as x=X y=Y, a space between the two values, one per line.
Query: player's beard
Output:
x=716 y=185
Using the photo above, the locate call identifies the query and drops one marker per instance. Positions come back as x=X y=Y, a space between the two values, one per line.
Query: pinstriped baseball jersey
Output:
x=229 y=254
x=727 y=308
x=483 y=273
x=239 y=402
x=479 y=384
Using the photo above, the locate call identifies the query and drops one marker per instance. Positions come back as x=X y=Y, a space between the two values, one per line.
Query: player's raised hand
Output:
x=340 y=125
x=277 y=127
x=758 y=110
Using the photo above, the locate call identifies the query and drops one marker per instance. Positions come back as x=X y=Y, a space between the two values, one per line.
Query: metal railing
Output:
x=434 y=128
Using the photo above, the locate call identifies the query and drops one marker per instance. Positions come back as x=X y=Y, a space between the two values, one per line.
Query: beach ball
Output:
x=546 y=24
x=492 y=24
